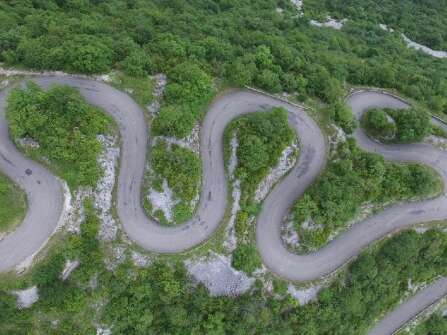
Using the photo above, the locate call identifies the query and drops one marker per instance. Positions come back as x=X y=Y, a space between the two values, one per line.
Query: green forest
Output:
x=242 y=42
x=399 y=126
x=205 y=47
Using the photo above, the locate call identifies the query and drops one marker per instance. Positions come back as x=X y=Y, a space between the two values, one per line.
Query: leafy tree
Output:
x=342 y=116
x=246 y=258
x=137 y=64
x=379 y=124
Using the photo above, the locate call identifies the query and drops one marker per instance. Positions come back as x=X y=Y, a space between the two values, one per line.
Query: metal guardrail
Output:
x=382 y=91
x=417 y=315
x=277 y=98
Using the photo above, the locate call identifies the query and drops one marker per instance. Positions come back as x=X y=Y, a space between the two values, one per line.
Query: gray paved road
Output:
x=44 y=195
x=46 y=198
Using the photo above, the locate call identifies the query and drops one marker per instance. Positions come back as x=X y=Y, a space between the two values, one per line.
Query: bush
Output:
x=412 y=124
x=246 y=258
x=401 y=126
x=342 y=115
x=262 y=138
x=137 y=64
x=379 y=124
x=186 y=96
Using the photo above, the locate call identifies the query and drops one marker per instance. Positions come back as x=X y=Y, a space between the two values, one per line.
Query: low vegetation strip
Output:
x=12 y=205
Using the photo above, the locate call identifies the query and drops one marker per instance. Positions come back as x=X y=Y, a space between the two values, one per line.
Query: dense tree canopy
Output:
x=244 y=42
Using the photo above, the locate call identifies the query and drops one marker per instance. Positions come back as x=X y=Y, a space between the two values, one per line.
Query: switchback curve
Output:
x=154 y=237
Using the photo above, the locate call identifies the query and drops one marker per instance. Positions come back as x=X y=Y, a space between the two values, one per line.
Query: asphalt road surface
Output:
x=45 y=194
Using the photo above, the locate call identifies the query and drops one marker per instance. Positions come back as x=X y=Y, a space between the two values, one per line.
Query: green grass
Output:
x=140 y=88
x=12 y=204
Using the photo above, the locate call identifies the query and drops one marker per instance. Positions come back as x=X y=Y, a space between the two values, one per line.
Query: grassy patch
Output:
x=140 y=88
x=12 y=204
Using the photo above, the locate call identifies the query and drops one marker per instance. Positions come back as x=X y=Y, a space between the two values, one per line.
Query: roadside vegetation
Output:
x=140 y=88
x=435 y=325
x=64 y=127
x=12 y=204
x=398 y=126
x=352 y=179
x=187 y=94
x=262 y=137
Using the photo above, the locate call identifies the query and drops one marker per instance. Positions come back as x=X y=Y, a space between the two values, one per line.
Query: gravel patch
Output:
x=139 y=259
x=304 y=296
x=103 y=331
x=298 y=4
x=26 y=298
x=191 y=142
x=329 y=23
x=160 y=81
x=339 y=136
x=289 y=235
x=103 y=196
x=15 y=72
x=163 y=201
x=28 y=142
x=414 y=45
x=77 y=213
x=424 y=49
x=218 y=276
x=420 y=229
x=437 y=141
x=230 y=242
x=117 y=257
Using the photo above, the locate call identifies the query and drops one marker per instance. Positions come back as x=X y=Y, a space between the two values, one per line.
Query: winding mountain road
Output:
x=45 y=196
